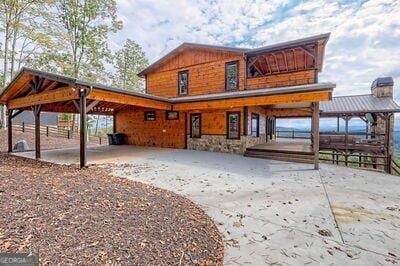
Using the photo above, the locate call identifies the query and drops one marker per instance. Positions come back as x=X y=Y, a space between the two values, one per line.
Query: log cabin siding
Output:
x=209 y=77
x=214 y=122
x=204 y=78
x=281 y=80
x=159 y=133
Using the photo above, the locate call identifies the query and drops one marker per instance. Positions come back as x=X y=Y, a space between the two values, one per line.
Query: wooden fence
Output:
x=54 y=131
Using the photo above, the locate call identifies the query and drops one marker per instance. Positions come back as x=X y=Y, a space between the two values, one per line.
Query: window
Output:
x=231 y=76
x=150 y=116
x=172 y=115
x=233 y=125
x=255 y=125
x=183 y=82
x=195 y=126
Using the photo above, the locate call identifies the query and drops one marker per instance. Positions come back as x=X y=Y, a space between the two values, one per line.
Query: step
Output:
x=281 y=158
x=279 y=154
x=251 y=149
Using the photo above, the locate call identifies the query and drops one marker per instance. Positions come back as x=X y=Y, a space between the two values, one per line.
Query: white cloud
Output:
x=364 y=43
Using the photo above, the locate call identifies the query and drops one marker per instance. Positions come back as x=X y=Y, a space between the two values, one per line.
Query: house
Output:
x=201 y=97
x=201 y=79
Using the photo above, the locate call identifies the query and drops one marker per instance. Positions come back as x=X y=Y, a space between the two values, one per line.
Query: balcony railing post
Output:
x=47 y=131
x=23 y=126
x=292 y=134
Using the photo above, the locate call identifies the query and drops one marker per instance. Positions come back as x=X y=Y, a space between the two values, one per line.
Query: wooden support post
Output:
x=387 y=143
x=245 y=120
x=315 y=127
x=23 y=126
x=9 y=125
x=36 y=112
x=114 y=124
x=83 y=128
x=338 y=125
x=186 y=130
x=346 y=139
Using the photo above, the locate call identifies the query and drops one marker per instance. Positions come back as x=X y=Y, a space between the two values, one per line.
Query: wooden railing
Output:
x=379 y=162
x=54 y=131
x=395 y=167
x=299 y=134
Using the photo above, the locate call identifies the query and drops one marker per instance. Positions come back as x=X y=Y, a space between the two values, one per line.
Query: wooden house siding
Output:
x=159 y=133
x=209 y=77
x=281 y=80
x=204 y=78
x=214 y=122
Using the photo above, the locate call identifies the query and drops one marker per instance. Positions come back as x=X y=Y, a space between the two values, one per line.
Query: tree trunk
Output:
x=5 y=67
x=13 y=45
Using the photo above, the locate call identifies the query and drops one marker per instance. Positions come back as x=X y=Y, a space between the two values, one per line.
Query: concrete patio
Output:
x=271 y=212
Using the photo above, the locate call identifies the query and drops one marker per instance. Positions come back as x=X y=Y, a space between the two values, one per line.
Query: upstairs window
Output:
x=183 y=82
x=255 y=125
x=231 y=76
x=233 y=125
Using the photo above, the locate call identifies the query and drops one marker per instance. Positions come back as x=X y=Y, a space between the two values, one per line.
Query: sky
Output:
x=364 y=42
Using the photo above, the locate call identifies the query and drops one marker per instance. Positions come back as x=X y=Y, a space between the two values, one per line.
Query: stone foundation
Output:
x=219 y=143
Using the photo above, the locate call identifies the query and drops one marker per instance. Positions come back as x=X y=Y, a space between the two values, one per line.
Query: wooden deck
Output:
x=285 y=145
x=292 y=150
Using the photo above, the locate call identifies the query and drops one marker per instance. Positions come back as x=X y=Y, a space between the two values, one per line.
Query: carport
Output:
x=40 y=91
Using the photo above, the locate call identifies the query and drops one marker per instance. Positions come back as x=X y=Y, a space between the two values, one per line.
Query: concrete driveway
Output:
x=272 y=212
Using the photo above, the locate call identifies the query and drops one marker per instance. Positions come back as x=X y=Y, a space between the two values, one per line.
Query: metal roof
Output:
x=359 y=104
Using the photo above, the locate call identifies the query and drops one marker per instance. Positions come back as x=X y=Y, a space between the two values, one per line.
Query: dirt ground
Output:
x=73 y=216
x=45 y=142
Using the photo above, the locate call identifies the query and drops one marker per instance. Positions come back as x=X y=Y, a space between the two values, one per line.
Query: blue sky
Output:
x=364 y=43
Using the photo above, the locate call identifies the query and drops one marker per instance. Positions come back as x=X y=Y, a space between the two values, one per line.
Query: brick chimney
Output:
x=382 y=87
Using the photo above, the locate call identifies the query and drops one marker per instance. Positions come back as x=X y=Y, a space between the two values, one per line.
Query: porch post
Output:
x=36 y=112
x=315 y=128
x=9 y=124
x=387 y=144
x=83 y=130
x=114 y=124
x=338 y=124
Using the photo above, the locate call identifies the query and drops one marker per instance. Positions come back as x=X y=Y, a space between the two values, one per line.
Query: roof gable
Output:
x=188 y=54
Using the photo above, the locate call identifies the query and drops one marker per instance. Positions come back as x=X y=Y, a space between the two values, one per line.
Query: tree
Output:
x=128 y=62
x=20 y=40
x=83 y=27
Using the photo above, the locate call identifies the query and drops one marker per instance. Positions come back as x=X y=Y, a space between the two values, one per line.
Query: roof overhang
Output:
x=58 y=94
x=260 y=97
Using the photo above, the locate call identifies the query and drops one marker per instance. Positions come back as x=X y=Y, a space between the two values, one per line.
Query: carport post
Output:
x=9 y=125
x=83 y=130
x=315 y=129
x=36 y=112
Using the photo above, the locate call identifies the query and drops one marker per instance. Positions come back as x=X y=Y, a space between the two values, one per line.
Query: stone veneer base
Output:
x=219 y=143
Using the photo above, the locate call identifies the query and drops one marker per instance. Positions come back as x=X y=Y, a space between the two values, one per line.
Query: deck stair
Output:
x=280 y=154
